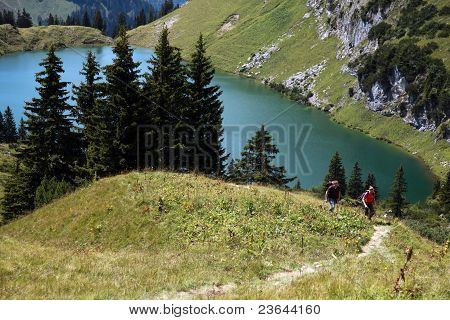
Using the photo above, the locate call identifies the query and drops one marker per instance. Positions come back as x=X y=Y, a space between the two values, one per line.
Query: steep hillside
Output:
x=39 y=38
x=304 y=49
x=147 y=235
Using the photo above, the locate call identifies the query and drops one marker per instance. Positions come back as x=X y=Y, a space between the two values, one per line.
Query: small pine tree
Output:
x=206 y=112
x=256 y=162
x=167 y=104
x=50 y=147
x=2 y=128
x=122 y=103
x=50 y=20
x=86 y=20
x=397 y=200
x=51 y=189
x=9 y=126
x=371 y=182
x=22 y=131
x=97 y=21
x=140 y=19
x=355 y=184
x=336 y=171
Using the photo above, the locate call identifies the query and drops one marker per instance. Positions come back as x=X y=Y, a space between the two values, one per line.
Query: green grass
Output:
x=259 y=26
x=138 y=235
x=40 y=38
x=371 y=277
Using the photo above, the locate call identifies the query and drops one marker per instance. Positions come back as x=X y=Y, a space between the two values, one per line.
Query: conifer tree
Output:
x=140 y=19
x=152 y=14
x=86 y=20
x=167 y=102
x=123 y=97
x=9 y=126
x=256 y=165
x=397 y=200
x=96 y=122
x=2 y=128
x=355 y=184
x=206 y=112
x=336 y=171
x=50 y=148
x=50 y=20
x=24 y=19
x=22 y=131
x=371 y=182
x=97 y=21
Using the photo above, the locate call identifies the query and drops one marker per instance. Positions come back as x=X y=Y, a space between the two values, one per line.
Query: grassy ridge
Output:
x=261 y=25
x=40 y=38
x=138 y=235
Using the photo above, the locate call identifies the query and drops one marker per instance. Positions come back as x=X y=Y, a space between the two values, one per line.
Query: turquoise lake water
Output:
x=306 y=137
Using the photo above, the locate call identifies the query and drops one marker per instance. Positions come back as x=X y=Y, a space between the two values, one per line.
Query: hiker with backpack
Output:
x=333 y=194
x=368 y=200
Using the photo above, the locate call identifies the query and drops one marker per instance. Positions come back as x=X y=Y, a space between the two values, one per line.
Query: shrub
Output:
x=51 y=189
x=381 y=31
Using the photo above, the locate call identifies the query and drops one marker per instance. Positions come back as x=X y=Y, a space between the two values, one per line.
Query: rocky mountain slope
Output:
x=39 y=38
x=326 y=53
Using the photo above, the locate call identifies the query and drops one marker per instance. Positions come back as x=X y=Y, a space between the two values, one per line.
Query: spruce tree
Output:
x=397 y=200
x=371 y=181
x=206 y=112
x=97 y=21
x=22 y=131
x=256 y=165
x=50 y=20
x=86 y=20
x=167 y=103
x=336 y=171
x=9 y=126
x=355 y=184
x=2 y=128
x=50 y=148
x=91 y=114
x=123 y=97
x=140 y=19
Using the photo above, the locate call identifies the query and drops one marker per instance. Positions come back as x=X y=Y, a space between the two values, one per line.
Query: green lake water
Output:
x=306 y=137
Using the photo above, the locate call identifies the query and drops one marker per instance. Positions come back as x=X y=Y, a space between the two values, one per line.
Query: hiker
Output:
x=333 y=194
x=368 y=200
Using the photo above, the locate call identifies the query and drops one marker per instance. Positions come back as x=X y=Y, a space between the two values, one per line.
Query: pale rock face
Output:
x=388 y=102
x=343 y=21
x=305 y=81
x=258 y=59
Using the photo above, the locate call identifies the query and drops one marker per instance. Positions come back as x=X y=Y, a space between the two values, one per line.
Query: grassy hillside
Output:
x=40 y=8
x=39 y=38
x=237 y=29
x=139 y=235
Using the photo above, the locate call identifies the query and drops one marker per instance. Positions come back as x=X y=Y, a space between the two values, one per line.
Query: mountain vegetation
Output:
x=39 y=38
x=185 y=231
